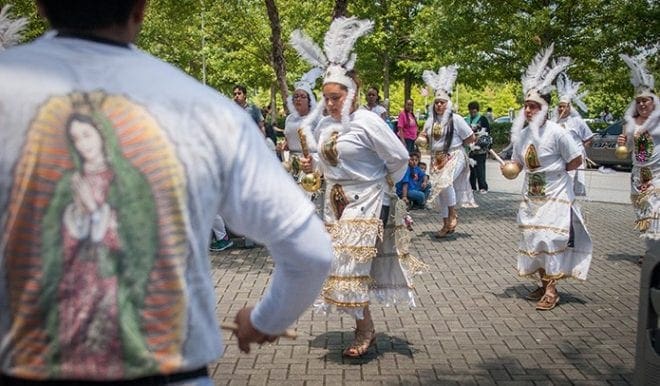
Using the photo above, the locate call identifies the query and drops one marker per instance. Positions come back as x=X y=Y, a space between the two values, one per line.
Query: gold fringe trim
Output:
x=535 y=254
x=347 y=283
x=345 y=305
x=354 y=282
x=357 y=253
x=339 y=229
x=559 y=276
x=413 y=264
x=639 y=199
x=541 y=227
x=643 y=224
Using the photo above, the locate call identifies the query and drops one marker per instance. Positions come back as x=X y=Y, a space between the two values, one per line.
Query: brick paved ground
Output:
x=471 y=325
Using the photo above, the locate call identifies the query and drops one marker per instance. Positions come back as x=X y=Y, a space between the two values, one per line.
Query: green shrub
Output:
x=501 y=133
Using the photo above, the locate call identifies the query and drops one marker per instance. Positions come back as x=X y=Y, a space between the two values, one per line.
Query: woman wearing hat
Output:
x=300 y=104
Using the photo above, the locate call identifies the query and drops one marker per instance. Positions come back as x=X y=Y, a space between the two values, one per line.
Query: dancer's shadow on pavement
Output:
x=336 y=341
x=432 y=235
x=633 y=259
x=520 y=291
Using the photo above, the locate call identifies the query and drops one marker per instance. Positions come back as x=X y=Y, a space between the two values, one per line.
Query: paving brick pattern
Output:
x=472 y=324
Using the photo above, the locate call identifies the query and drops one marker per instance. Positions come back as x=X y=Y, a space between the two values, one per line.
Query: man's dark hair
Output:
x=86 y=15
x=240 y=87
x=416 y=154
x=546 y=97
x=473 y=105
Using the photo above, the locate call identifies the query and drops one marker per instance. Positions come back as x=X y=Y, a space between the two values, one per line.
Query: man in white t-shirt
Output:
x=113 y=165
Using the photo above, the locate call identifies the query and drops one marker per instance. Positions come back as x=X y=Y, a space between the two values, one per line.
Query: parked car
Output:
x=503 y=119
x=603 y=145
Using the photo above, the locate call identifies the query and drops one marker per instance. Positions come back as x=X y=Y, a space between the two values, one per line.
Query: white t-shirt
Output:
x=113 y=165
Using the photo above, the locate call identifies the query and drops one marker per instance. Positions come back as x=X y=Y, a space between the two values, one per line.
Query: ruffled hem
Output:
x=387 y=297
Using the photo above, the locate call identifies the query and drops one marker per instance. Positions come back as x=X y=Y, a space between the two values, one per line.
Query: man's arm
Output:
x=254 y=189
x=574 y=163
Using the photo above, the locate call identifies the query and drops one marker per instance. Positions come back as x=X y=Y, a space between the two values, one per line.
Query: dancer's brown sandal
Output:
x=442 y=233
x=363 y=341
x=453 y=223
x=548 y=302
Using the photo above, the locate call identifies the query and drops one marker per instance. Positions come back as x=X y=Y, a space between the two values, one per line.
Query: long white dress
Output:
x=548 y=210
x=450 y=185
x=358 y=165
x=580 y=132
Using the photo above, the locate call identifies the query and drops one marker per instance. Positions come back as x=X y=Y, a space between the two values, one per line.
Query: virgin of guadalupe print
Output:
x=96 y=198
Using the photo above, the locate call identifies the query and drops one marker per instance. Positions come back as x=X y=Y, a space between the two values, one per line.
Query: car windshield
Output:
x=614 y=129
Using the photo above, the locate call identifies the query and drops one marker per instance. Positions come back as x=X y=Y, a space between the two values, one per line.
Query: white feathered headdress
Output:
x=537 y=84
x=336 y=58
x=306 y=83
x=538 y=78
x=441 y=82
x=568 y=92
x=10 y=30
x=640 y=77
x=644 y=84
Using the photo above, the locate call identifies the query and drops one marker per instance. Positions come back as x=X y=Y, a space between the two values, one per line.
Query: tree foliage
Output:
x=228 y=42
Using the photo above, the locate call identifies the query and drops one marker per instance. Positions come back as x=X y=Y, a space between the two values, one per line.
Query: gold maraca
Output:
x=510 y=170
x=421 y=142
x=311 y=182
x=621 y=152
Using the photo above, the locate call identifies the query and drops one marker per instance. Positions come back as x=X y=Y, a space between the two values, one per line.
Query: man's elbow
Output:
x=574 y=164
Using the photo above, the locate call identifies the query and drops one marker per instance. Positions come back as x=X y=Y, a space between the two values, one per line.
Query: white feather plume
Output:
x=311 y=76
x=533 y=76
x=640 y=77
x=10 y=29
x=579 y=102
x=447 y=77
x=568 y=89
x=307 y=49
x=341 y=37
x=431 y=79
x=539 y=75
x=558 y=66
x=444 y=79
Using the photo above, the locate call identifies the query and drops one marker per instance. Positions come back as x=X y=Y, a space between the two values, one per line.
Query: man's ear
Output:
x=139 y=11
x=40 y=9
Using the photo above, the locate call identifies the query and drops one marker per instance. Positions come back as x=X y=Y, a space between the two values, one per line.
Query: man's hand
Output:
x=621 y=140
x=246 y=333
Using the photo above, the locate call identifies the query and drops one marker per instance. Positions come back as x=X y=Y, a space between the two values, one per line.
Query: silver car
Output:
x=603 y=145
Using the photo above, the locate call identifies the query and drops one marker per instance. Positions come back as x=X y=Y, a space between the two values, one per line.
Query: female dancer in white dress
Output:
x=448 y=134
x=360 y=157
x=642 y=134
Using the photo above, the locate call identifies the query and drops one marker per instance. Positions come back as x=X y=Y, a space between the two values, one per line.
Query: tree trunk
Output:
x=277 y=52
x=386 y=81
x=341 y=7
x=407 y=87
